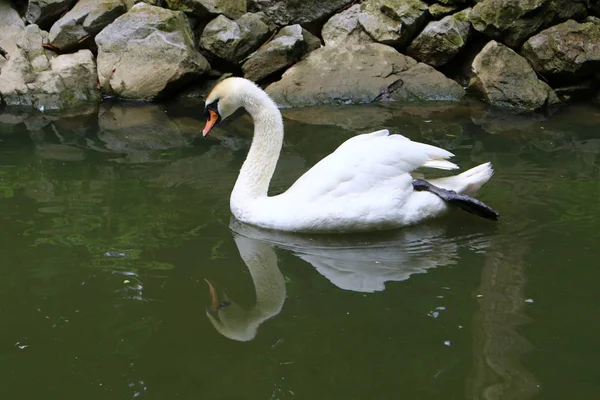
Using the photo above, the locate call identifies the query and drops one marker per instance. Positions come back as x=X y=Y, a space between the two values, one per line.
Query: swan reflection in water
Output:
x=360 y=263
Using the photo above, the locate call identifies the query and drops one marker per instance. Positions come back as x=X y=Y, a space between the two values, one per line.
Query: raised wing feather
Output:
x=365 y=162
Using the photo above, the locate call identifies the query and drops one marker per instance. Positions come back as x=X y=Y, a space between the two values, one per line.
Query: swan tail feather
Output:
x=464 y=202
x=468 y=182
x=440 y=164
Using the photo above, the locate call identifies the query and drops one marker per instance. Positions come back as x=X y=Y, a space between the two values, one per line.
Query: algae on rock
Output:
x=393 y=22
x=234 y=40
x=286 y=48
x=441 y=40
x=514 y=21
x=565 y=52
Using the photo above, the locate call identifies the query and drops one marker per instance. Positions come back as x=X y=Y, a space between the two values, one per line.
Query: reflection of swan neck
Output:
x=269 y=283
x=234 y=322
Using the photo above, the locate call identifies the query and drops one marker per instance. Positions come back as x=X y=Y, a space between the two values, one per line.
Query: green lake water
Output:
x=115 y=228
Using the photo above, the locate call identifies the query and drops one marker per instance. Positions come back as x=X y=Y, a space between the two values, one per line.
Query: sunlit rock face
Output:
x=147 y=51
x=360 y=74
x=505 y=79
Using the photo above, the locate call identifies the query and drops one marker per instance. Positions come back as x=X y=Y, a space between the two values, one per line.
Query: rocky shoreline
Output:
x=515 y=54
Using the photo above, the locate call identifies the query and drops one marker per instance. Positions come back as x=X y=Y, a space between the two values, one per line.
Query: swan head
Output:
x=226 y=98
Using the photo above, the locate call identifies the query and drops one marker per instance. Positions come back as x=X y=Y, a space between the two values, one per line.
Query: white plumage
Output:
x=365 y=184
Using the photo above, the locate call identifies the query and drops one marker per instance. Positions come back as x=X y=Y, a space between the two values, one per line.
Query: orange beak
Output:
x=213 y=117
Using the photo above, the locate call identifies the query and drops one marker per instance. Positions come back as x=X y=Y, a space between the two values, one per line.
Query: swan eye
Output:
x=214 y=106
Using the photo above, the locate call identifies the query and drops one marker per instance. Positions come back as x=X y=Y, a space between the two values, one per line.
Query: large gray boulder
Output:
x=360 y=74
x=44 y=12
x=146 y=52
x=393 y=22
x=514 y=21
x=234 y=40
x=34 y=78
x=566 y=51
x=284 y=12
x=85 y=20
x=12 y=29
x=343 y=28
x=204 y=8
x=505 y=79
x=286 y=48
x=441 y=40
x=423 y=82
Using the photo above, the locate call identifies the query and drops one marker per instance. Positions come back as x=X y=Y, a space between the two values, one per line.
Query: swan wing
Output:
x=368 y=161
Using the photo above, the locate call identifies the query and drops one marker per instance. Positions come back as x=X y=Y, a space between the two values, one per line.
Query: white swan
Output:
x=364 y=185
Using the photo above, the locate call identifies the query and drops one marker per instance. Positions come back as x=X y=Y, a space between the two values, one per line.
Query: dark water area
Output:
x=123 y=275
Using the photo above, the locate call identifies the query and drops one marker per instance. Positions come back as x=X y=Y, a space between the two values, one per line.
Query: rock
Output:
x=12 y=28
x=438 y=11
x=453 y=2
x=358 y=74
x=343 y=28
x=203 y=8
x=514 y=21
x=24 y=63
x=312 y=42
x=45 y=12
x=592 y=19
x=71 y=80
x=32 y=78
x=441 y=40
x=506 y=79
x=423 y=82
x=393 y=22
x=146 y=52
x=86 y=19
x=284 y=12
x=566 y=51
x=130 y=3
x=290 y=44
x=234 y=40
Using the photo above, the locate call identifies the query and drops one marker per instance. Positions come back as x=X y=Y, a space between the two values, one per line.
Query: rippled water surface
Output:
x=122 y=274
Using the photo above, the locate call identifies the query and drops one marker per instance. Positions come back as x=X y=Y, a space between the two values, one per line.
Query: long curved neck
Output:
x=257 y=171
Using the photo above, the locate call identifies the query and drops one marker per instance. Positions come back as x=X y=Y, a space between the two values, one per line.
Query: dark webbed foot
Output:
x=467 y=203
